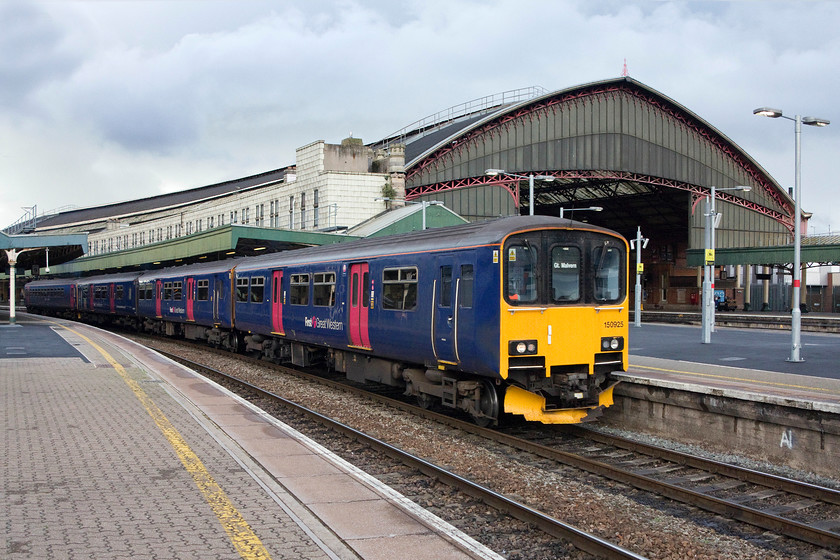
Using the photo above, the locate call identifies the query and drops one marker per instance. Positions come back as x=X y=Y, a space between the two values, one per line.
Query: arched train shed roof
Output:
x=643 y=156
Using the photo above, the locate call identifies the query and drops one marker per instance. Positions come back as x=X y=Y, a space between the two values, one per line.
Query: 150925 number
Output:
x=613 y=324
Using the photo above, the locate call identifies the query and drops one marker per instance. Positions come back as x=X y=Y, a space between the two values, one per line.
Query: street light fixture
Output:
x=531 y=178
x=708 y=308
x=796 y=312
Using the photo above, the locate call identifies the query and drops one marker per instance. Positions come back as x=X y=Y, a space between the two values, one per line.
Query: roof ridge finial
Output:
x=624 y=72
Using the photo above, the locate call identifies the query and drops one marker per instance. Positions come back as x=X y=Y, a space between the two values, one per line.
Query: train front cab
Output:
x=564 y=323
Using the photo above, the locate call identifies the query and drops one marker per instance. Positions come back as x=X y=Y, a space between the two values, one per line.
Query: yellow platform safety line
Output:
x=532 y=407
x=246 y=542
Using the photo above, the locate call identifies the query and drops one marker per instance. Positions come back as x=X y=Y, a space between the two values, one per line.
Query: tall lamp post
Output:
x=796 y=312
x=638 y=244
x=708 y=305
x=531 y=178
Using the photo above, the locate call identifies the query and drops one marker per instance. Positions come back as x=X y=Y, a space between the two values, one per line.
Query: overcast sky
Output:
x=103 y=101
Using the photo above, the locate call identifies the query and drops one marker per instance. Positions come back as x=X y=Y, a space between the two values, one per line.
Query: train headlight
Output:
x=522 y=347
x=612 y=343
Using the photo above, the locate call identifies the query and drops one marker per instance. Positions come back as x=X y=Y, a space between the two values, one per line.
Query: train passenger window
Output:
x=565 y=274
x=446 y=286
x=606 y=262
x=242 y=289
x=324 y=289
x=299 y=289
x=257 y=289
x=167 y=290
x=465 y=296
x=399 y=288
x=120 y=292
x=202 y=292
x=521 y=273
x=176 y=290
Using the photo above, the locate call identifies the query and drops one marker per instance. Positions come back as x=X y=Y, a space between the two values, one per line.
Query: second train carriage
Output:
x=192 y=300
x=107 y=298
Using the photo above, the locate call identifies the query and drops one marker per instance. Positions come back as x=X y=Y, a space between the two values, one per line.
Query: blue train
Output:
x=525 y=315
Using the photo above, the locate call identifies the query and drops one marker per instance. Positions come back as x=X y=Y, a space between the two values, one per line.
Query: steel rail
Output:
x=554 y=527
x=732 y=510
x=805 y=489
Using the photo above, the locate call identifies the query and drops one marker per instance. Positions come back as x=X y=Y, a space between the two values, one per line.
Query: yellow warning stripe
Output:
x=240 y=533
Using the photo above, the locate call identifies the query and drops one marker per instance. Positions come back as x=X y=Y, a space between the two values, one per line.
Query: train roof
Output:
x=439 y=239
x=107 y=278
x=47 y=282
x=195 y=268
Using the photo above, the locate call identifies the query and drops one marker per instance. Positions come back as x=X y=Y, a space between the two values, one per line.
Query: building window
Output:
x=292 y=212
x=210 y=222
x=315 y=204
x=302 y=210
x=246 y=215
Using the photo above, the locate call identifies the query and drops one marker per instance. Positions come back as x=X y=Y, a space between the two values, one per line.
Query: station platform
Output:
x=744 y=363
x=112 y=451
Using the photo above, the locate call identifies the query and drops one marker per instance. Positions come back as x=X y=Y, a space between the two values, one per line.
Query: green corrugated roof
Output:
x=214 y=243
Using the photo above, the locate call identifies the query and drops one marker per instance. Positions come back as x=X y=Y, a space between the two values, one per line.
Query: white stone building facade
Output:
x=330 y=188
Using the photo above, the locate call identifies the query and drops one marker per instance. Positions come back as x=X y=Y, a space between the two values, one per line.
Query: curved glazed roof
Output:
x=610 y=139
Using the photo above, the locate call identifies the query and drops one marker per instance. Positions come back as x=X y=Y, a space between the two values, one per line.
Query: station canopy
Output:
x=618 y=144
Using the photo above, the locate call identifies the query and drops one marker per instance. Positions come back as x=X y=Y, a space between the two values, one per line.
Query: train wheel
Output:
x=236 y=344
x=488 y=405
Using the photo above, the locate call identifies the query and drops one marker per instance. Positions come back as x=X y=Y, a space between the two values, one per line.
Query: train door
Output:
x=190 y=299
x=91 y=295
x=73 y=298
x=359 y=301
x=217 y=295
x=158 y=296
x=112 y=304
x=277 y=302
x=445 y=310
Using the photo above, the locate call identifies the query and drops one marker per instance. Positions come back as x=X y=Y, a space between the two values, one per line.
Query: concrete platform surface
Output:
x=111 y=451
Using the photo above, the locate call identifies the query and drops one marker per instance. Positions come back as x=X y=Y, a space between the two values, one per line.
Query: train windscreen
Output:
x=564 y=267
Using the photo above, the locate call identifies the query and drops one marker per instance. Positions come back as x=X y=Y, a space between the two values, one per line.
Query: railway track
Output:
x=578 y=538
x=786 y=507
